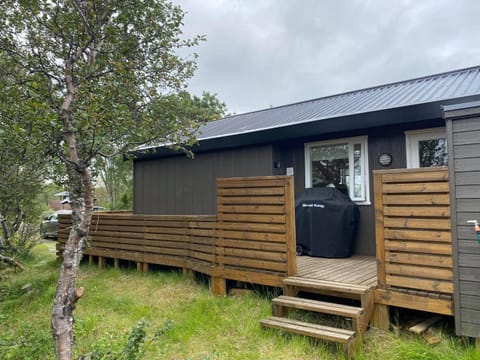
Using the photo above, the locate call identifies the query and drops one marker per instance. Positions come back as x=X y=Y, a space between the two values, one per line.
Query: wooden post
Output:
x=90 y=259
x=145 y=267
x=101 y=262
x=379 y=230
x=381 y=317
x=188 y=273
x=218 y=286
x=116 y=263
x=290 y=226
x=139 y=266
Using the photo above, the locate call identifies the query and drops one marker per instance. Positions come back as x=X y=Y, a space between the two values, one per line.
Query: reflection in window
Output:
x=433 y=152
x=340 y=163
x=329 y=165
x=426 y=147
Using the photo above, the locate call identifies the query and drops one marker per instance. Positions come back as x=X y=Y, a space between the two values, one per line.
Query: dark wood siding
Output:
x=380 y=140
x=183 y=186
x=464 y=147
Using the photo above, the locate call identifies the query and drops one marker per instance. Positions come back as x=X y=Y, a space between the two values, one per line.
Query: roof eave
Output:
x=395 y=116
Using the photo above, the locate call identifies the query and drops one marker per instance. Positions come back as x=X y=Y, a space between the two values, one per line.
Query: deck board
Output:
x=358 y=270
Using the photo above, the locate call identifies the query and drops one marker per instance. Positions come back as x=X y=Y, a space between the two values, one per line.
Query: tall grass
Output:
x=201 y=326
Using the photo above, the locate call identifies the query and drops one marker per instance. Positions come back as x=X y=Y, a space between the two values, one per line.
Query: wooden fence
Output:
x=252 y=238
x=414 y=242
x=182 y=241
x=255 y=231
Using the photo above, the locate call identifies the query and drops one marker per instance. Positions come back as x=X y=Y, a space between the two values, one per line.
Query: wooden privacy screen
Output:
x=255 y=229
x=414 y=242
x=255 y=242
x=182 y=241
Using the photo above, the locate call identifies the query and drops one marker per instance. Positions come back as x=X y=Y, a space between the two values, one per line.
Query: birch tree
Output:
x=97 y=76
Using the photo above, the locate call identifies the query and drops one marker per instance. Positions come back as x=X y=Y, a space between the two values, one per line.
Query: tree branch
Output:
x=11 y=261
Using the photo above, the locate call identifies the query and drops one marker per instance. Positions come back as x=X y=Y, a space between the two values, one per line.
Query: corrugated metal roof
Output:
x=433 y=88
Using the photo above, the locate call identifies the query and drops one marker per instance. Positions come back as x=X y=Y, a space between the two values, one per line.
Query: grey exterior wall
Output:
x=464 y=170
x=180 y=185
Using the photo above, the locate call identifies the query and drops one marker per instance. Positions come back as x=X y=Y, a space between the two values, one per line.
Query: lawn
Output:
x=189 y=321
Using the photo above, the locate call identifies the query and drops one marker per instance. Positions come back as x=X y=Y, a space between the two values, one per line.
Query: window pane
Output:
x=357 y=171
x=329 y=165
x=432 y=152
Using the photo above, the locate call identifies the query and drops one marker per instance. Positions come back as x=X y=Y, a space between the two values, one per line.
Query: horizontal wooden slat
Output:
x=250 y=263
x=417 y=211
x=419 y=259
x=420 y=175
x=251 y=209
x=419 y=271
x=423 y=303
x=249 y=218
x=249 y=276
x=258 y=200
x=419 y=247
x=252 y=254
x=257 y=191
x=416 y=223
x=248 y=182
x=423 y=199
x=422 y=284
x=266 y=228
x=417 y=188
x=425 y=235
x=247 y=235
x=254 y=245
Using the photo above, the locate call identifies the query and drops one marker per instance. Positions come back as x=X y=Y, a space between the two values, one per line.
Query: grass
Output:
x=202 y=327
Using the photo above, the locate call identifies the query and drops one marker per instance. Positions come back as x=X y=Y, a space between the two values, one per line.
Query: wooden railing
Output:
x=252 y=238
x=413 y=237
x=182 y=241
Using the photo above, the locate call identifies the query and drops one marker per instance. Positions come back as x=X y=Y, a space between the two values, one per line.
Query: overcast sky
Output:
x=262 y=53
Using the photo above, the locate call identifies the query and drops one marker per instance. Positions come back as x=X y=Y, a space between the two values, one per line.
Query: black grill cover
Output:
x=326 y=221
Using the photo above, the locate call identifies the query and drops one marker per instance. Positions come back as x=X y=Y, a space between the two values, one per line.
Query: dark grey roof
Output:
x=401 y=102
x=434 y=88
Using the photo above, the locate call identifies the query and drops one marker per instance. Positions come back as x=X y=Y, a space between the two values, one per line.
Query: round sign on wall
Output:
x=385 y=159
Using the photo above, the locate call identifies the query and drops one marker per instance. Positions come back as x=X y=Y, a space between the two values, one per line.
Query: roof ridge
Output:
x=357 y=91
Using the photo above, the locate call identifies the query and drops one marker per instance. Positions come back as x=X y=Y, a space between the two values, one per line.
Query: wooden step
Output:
x=331 y=286
x=313 y=330
x=317 y=306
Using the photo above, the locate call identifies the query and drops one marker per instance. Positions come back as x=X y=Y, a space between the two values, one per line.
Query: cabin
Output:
x=392 y=126
x=407 y=153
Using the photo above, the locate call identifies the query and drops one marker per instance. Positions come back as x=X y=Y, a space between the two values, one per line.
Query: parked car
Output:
x=49 y=225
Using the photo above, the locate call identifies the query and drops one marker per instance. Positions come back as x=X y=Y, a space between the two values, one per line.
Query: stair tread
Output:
x=326 y=285
x=313 y=330
x=318 y=306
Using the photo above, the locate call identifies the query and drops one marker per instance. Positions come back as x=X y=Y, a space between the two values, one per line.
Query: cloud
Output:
x=262 y=53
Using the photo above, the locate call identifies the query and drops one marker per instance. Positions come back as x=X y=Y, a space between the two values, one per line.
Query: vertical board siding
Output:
x=413 y=232
x=255 y=229
x=464 y=147
x=180 y=185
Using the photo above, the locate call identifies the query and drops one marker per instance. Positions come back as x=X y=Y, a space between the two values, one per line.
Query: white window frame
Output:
x=363 y=141
x=413 y=137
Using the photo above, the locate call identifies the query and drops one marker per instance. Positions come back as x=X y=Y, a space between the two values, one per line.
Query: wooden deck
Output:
x=357 y=270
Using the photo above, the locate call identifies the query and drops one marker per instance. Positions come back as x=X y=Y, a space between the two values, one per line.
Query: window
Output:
x=426 y=148
x=341 y=163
